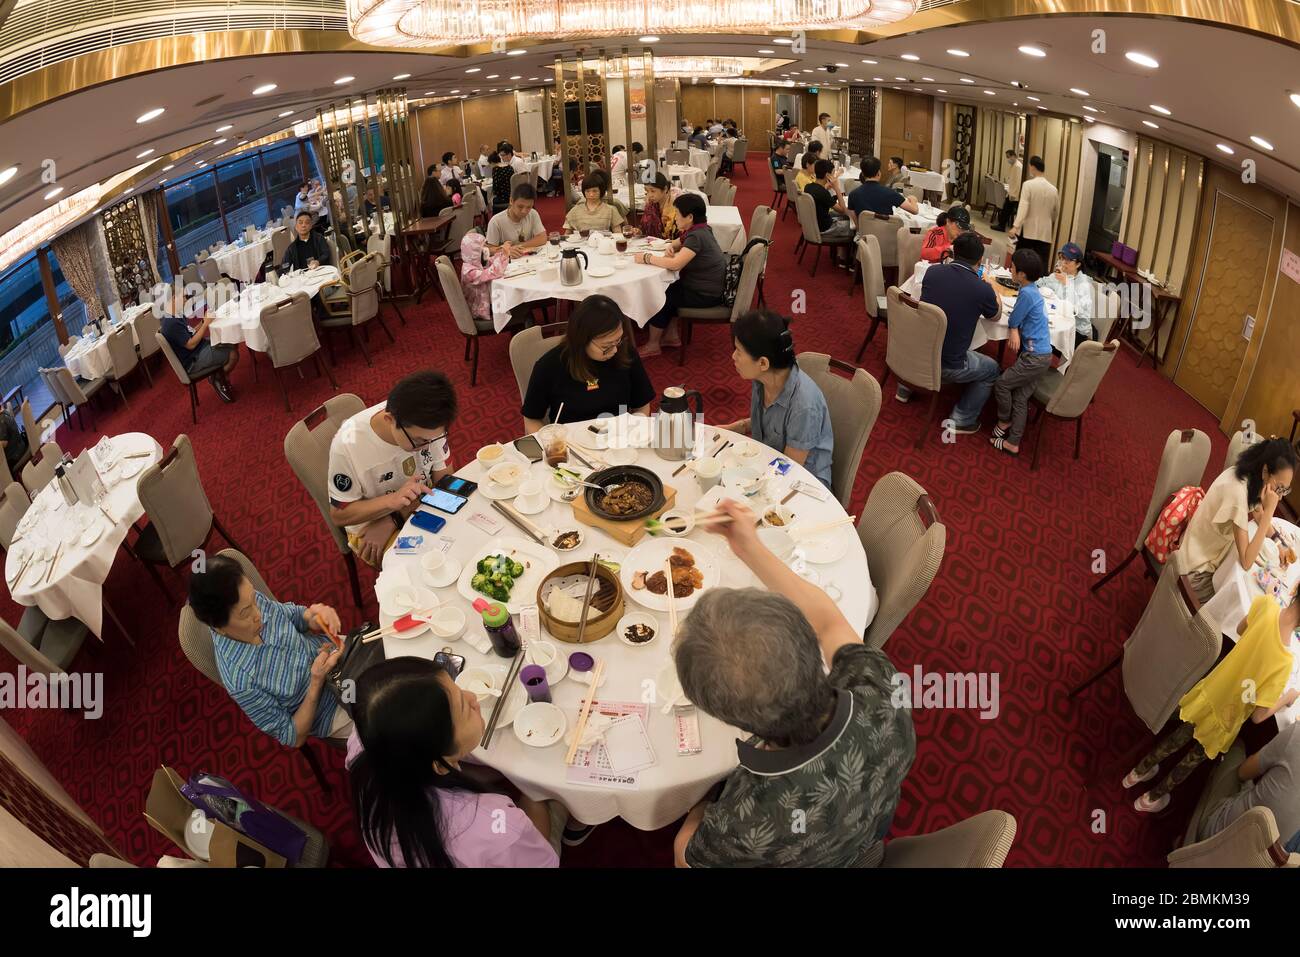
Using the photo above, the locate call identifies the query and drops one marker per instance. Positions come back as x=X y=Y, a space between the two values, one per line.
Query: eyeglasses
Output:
x=610 y=349
x=417 y=445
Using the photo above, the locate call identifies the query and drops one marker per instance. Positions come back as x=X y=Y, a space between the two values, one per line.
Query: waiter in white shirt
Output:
x=822 y=134
x=1036 y=214
x=1015 y=173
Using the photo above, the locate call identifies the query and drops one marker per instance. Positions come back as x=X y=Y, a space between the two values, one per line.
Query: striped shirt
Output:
x=269 y=681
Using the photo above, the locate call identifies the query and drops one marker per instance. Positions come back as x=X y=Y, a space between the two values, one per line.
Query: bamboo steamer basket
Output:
x=607 y=599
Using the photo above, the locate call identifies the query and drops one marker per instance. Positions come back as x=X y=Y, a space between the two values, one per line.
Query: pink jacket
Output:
x=477 y=273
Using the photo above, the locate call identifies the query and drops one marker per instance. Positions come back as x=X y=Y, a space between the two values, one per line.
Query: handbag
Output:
x=220 y=800
x=735 y=265
x=357 y=656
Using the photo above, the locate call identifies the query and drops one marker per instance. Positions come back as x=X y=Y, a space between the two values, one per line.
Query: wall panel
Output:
x=490 y=119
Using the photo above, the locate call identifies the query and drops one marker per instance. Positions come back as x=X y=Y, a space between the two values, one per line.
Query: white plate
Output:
x=419 y=630
x=554 y=533
x=129 y=468
x=650 y=556
x=538 y=562
x=446 y=575
x=620 y=456
x=540 y=724
x=638 y=618
x=822 y=548
x=541 y=504
x=600 y=272
x=91 y=535
x=493 y=491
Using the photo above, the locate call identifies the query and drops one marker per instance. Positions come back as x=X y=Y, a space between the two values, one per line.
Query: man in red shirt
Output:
x=937 y=245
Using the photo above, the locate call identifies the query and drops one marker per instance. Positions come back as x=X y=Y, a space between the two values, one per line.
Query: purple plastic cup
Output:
x=533 y=678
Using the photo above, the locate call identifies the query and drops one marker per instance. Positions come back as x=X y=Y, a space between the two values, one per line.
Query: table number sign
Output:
x=86 y=483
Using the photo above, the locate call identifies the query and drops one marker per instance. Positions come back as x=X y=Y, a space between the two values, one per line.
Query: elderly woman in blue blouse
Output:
x=1072 y=285
x=787 y=410
x=273 y=657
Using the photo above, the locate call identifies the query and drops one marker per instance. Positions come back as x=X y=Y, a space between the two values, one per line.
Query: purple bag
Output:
x=221 y=801
x=1125 y=254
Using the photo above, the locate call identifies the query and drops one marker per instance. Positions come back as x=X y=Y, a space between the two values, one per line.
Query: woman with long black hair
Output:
x=416 y=807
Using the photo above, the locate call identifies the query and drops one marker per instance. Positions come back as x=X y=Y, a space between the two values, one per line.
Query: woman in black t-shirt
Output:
x=701 y=271
x=594 y=371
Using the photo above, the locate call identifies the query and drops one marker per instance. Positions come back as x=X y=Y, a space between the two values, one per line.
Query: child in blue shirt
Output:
x=1029 y=337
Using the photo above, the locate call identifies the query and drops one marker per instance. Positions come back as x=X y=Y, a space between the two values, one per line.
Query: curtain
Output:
x=73 y=250
x=148 y=207
x=104 y=275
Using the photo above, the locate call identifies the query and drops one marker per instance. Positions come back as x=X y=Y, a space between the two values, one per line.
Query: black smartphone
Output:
x=444 y=501
x=530 y=447
x=454 y=664
x=457 y=485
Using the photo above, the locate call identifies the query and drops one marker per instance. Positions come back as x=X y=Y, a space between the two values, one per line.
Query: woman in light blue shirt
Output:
x=1072 y=285
x=787 y=410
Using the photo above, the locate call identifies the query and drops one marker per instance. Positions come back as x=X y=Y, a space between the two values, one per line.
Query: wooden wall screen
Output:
x=963 y=152
x=127 y=253
x=862 y=120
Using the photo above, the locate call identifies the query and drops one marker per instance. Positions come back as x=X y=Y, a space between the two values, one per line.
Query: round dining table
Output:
x=242 y=259
x=240 y=319
x=639 y=290
x=691 y=177
x=89 y=358
x=61 y=554
x=662 y=792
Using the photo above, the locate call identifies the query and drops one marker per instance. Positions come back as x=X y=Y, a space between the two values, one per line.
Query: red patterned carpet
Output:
x=1012 y=595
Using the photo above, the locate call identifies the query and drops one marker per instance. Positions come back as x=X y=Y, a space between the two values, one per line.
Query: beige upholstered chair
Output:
x=185 y=379
x=382 y=248
x=291 y=339
x=1236 y=445
x=1181 y=464
x=528 y=346
x=1068 y=396
x=751 y=270
x=121 y=350
x=885 y=229
x=873 y=288
x=470 y=326
x=716 y=188
x=180 y=517
x=281 y=239
x=1252 y=840
x=762 y=222
x=51 y=380
x=904 y=541
x=72 y=341
x=677 y=157
x=788 y=178
x=196 y=644
x=39 y=470
x=307 y=448
x=982 y=841
x=853 y=400
x=778 y=186
x=910 y=239
x=711 y=174
x=44 y=645
x=146 y=346
x=1222 y=784
x=190 y=274
x=739 y=149
x=361 y=306
x=30 y=426
x=812 y=236
x=208 y=271
x=524 y=178
x=14 y=502
x=460 y=225
x=914 y=349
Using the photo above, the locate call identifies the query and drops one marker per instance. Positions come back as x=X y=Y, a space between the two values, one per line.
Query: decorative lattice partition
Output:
x=128 y=256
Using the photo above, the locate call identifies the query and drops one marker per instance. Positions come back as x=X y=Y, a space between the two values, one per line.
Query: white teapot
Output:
x=606 y=245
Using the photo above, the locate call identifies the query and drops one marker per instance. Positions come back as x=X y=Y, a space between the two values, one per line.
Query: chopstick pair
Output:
x=796 y=531
x=405 y=623
x=586 y=599
x=517 y=520
x=494 y=718
x=585 y=713
x=722 y=444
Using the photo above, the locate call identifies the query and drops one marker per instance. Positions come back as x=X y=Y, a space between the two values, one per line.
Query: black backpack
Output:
x=735 y=264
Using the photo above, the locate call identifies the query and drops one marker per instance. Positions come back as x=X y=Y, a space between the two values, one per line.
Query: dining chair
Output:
x=853 y=401
x=182 y=375
x=751 y=270
x=122 y=354
x=528 y=346
x=885 y=229
x=307 y=449
x=77 y=392
x=361 y=306
x=1182 y=463
x=470 y=325
x=904 y=540
x=381 y=247
x=1236 y=445
x=180 y=517
x=146 y=346
x=291 y=339
x=791 y=193
x=196 y=644
x=762 y=224
x=14 y=502
x=43 y=645
x=873 y=288
x=738 y=151
x=281 y=240
x=1068 y=396
x=980 y=841
x=1252 y=840
x=778 y=186
x=208 y=271
x=711 y=174
x=727 y=197
x=190 y=274
x=812 y=236
x=55 y=388
x=66 y=347
x=908 y=242
x=914 y=349
x=1221 y=785
x=677 y=157
x=524 y=178
x=30 y=426
x=39 y=471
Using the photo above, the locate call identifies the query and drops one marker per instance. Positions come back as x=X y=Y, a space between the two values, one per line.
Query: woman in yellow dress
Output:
x=1249 y=683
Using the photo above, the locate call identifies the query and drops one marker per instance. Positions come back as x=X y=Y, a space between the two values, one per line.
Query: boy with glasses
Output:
x=385 y=457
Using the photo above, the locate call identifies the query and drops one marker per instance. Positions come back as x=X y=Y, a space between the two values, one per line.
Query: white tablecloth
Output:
x=89 y=358
x=728 y=228
x=931 y=181
x=1060 y=319
x=543 y=167
x=670 y=787
x=244 y=262
x=75 y=589
x=698 y=158
x=638 y=289
x=691 y=177
x=240 y=319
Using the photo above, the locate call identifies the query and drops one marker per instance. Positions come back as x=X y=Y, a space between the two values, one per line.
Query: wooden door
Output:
x=906 y=125
x=1230 y=288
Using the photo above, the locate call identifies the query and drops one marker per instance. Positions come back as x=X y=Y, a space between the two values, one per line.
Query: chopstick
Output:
x=519 y=522
x=392 y=629
x=501 y=701
x=585 y=713
x=107 y=515
x=586 y=599
x=824 y=526
x=672 y=598
x=689 y=462
x=21 y=571
x=58 y=553
x=792 y=494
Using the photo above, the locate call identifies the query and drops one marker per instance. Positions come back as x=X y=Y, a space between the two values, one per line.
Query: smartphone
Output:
x=454 y=664
x=530 y=447
x=428 y=522
x=457 y=485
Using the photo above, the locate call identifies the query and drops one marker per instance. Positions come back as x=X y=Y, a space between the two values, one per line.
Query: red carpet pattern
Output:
x=1012 y=595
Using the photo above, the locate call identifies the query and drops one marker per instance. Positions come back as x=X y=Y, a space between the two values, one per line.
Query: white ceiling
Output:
x=1221 y=85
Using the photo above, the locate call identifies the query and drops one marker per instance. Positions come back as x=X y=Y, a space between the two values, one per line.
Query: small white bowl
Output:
x=778 y=542
x=676 y=522
x=472 y=676
x=637 y=618
x=572 y=548
x=448 y=623
x=783 y=513
x=540 y=724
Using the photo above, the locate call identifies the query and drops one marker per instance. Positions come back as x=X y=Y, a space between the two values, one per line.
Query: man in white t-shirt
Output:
x=385 y=457
x=517 y=229
x=513 y=159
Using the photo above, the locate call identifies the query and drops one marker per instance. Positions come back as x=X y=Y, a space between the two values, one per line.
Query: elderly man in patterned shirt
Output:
x=819 y=778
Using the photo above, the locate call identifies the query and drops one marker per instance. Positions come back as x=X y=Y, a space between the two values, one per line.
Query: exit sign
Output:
x=812 y=89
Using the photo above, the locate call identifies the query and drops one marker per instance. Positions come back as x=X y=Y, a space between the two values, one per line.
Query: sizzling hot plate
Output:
x=622 y=473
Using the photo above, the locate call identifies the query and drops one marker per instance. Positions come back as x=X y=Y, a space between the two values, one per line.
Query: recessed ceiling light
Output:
x=1034 y=98
x=1030 y=50
x=1141 y=59
x=160 y=182
x=782 y=42
x=515 y=52
x=911 y=56
x=1224 y=148
x=766 y=51
x=474 y=69
x=129 y=189
x=901 y=79
x=958 y=53
x=1295 y=98
x=927 y=79
x=492 y=76
x=1079 y=92
x=167 y=167
x=516 y=78
x=286 y=113
x=1015 y=82
x=218 y=142
x=264 y=88
x=454 y=91
x=1261 y=142
x=242 y=143
x=807 y=71
x=54 y=192
x=222 y=129
x=842 y=66
x=8 y=174
x=1091 y=109
x=402 y=76
x=990 y=93
x=871 y=62
x=430 y=93
x=531 y=78
x=1154 y=126
x=151 y=115
x=344 y=79
x=1162 y=110
x=141 y=156
x=966 y=79
x=654 y=39
x=941 y=91
x=917 y=89
x=1088 y=118
x=878 y=79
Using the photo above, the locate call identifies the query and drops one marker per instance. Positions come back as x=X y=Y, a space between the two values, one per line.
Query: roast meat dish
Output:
x=627 y=498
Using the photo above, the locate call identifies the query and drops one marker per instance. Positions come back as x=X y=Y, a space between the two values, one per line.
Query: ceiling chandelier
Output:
x=675 y=66
x=424 y=23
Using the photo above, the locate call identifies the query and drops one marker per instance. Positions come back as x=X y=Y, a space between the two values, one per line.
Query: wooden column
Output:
x=165 y=219
x=52 y=295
